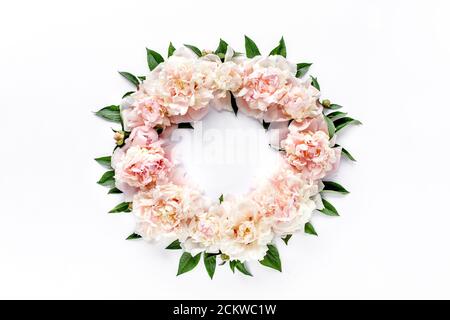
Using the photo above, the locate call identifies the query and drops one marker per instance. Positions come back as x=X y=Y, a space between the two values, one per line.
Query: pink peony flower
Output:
x=301 y=101
x=265 y=82
x=286 y=200
x=141 y=167
x=309 y=149
x=144 y=111
x=166 y=210
x=183 y=81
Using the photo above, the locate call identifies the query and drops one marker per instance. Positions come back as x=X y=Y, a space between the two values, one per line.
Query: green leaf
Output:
x=188 y=262
x=121 y=207
x=266 y=125
x=243 y=269
x=315 y=83
x=222 y=48
x=280 y=50
x=287 y=238
x=153 y=59
x=346 y=153
x=185 y=125
x=234 y=104
x=127 y=94
x=272 y=258
x=133 y=236
x=251 y=50
x=170 y=50
x=330 y=125
x=142 y=78
x=302 y=69
x=236 y=264
x=107 y=179
x=114 y=191
x=343 y=122
x=221 y=198
x=336 y=114
x=130 y=77
x=329 y=209
x=111 y=113
x=334 y=106
x=334 y=187
x=309 y=229
x=174 y=245
x=210 y=263
x=104 y=161
x=196 y=50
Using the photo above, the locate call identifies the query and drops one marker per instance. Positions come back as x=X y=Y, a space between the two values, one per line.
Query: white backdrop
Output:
x=387 y=62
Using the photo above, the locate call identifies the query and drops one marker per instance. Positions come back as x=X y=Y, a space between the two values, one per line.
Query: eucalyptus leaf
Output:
x=302 y=69
x=272 y=258
x=133 y=236
x=315 y=83
x=210 y=263
x=309 y=229
x=196 y=50
x=187 y=262
x=153 y=59
x=107 y=179
x=287 y=238
x=251 y=50
x=104 y=161
x=111 y=113
x=175 y=245
x=121 y=207
x=329 y=209
x=334 y=187
x=343 y=122
x=280 y=50
x=170 y=50
x=130 y=77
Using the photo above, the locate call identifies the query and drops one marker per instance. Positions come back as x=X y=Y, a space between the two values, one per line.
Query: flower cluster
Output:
x=182 y=89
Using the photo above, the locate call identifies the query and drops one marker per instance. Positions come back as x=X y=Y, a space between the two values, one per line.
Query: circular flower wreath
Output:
x=180 y=90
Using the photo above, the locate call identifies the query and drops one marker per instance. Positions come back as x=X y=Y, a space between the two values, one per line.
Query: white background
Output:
x=387 y=62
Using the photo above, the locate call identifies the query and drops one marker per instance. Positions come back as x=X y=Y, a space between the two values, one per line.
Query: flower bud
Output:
x=119 y=137
x=224 y=257
x=326 y=103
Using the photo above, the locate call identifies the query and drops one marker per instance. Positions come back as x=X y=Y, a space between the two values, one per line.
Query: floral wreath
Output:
x=180 y=90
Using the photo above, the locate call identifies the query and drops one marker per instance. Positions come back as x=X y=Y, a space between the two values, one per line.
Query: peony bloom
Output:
x=310 y=151
x=142 y=110
x=183 y=81
x=141 y=167
x=245 y=233
x=141 y=137
x=204 y=231
x=265 y=82
x=301 y=101
x=287 y=200
x=166 y=210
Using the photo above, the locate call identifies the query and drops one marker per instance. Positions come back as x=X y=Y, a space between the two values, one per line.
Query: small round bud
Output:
x=224 y=257
x=326 y=103
x=119 y=137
